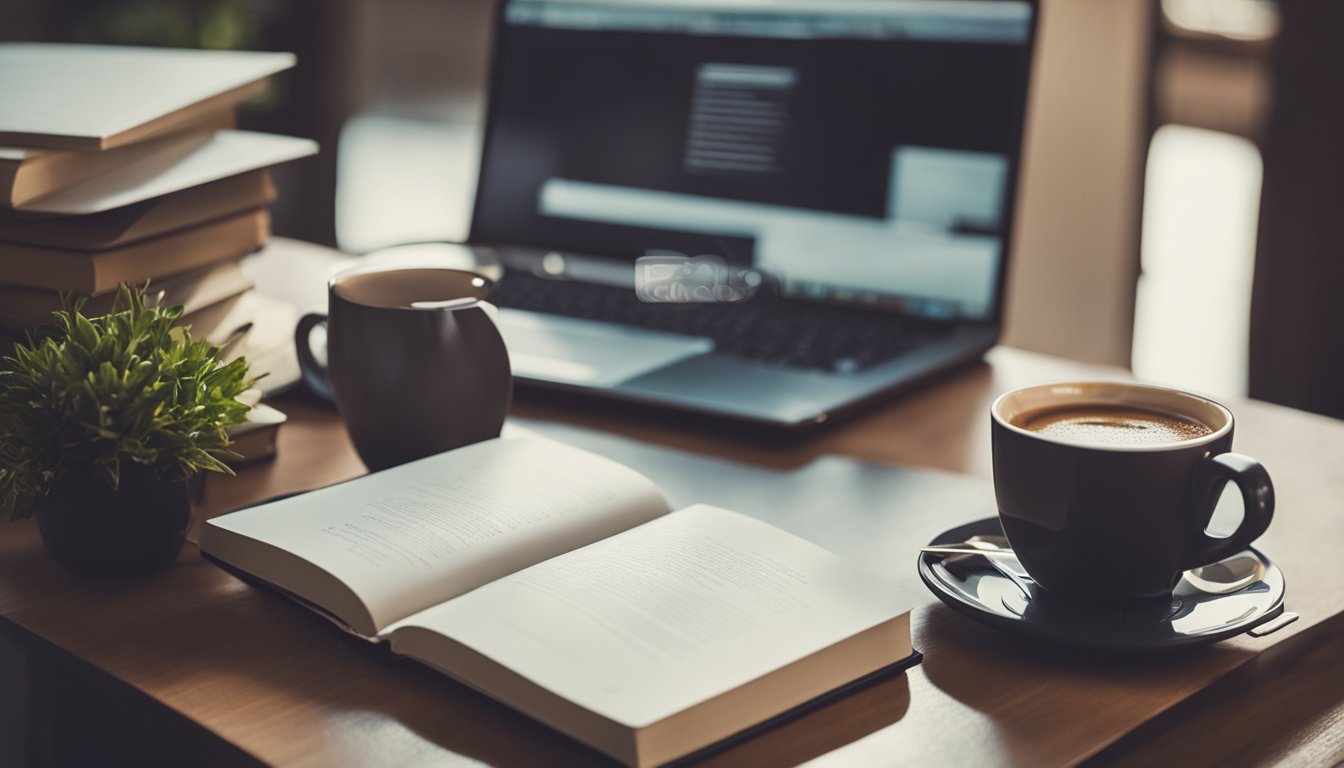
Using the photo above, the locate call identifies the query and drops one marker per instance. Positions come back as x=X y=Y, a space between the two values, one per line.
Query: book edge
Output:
x=153 y=127
x=654 y=743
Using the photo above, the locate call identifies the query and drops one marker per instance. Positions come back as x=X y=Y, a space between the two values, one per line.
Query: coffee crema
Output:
x=1111 y=425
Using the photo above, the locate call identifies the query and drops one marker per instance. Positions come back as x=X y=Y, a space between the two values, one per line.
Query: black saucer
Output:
x=1192 y=617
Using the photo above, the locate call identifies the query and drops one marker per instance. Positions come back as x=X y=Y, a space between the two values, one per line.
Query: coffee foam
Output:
x=1113 y=425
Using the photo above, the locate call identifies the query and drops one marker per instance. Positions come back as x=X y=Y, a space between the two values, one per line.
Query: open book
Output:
x=558 y=582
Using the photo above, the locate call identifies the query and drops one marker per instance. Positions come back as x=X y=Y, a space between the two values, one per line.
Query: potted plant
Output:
x=102 y=421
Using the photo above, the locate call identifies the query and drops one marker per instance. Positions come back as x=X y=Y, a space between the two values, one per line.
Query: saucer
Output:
x=1192 y=617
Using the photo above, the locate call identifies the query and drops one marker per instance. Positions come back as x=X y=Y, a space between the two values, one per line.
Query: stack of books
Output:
x=122 y=165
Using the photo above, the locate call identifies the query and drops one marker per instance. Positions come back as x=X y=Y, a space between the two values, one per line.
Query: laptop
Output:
x=769 y=210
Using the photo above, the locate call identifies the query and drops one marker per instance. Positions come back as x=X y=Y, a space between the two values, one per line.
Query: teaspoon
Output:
x=1000 y=558
x=1220 y=578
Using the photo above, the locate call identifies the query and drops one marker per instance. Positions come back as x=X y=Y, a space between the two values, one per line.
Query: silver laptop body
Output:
x=680 y=190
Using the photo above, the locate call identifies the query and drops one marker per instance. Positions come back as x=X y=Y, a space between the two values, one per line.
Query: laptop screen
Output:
x=856 y=150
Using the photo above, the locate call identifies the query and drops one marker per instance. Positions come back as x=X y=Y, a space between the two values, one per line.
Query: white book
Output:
x=27 y=174
x=178 y=163
x=559 y=582
x=96 y=97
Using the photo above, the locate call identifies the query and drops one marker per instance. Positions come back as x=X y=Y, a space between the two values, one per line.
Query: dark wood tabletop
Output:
x=285 y=688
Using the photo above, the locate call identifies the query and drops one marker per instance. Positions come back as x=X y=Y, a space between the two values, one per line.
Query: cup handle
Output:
x=315 y=374
x=1211 y=475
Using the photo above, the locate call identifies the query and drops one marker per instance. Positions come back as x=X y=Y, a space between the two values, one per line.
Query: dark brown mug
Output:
x=414 y=362
x=1119 y=522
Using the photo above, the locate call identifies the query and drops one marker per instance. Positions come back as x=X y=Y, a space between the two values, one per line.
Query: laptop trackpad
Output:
x=572 y=351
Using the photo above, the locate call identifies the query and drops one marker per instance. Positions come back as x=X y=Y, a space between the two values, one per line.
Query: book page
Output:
x=412 y=536
x=52 y=89
x=181 y=163
x=645 y=624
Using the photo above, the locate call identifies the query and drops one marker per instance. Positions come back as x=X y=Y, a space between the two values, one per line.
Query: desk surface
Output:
x=281 y=686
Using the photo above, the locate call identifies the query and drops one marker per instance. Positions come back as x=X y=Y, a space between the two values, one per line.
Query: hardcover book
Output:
x=96 y=272
x=141 y=221
x=28 y=174
x=24 y=309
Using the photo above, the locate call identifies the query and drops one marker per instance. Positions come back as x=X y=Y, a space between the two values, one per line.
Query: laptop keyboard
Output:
x=766 y=328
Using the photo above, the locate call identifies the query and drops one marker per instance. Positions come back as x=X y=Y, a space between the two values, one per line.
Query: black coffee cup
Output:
x=415 y=363
x=1113 y=522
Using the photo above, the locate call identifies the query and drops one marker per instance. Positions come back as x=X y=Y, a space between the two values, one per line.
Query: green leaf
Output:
x=94 y=393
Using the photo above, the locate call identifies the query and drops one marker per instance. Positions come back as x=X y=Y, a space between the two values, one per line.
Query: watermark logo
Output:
x=674 y=278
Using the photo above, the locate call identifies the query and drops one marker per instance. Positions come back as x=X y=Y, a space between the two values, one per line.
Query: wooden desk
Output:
x=280 y=685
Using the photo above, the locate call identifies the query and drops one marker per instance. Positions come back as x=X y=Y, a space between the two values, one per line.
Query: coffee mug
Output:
x=414 y=363
x=1105 y=489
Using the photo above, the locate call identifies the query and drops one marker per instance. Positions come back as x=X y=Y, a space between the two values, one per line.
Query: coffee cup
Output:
x=414 y=361
x=1105 y=489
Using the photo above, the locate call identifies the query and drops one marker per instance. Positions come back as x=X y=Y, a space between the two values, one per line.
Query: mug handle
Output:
x=1211 y=475
x=315 y=375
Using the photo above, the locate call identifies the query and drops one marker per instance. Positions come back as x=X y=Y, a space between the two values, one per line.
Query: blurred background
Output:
x=1183 y=173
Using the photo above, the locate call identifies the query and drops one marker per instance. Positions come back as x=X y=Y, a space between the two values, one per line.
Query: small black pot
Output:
x=93 y=530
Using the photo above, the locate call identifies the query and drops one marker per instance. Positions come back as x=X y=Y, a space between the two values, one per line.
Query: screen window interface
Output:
x=855 y=150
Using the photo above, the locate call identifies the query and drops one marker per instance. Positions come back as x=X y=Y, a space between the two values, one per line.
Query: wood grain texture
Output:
x=284 y=687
